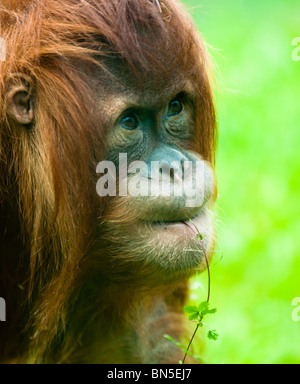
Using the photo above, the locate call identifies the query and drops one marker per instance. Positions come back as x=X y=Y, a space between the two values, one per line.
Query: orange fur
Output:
x=49 y=211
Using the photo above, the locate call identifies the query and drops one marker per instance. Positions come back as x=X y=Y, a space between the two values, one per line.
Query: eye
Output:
x=175 y=108
x=129 y=122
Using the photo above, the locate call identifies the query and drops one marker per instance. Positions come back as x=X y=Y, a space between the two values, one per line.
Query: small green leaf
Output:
x=208 y=312
x=194 y=316
x=204 y=310
x=204 y=306
x=200 y=237
x=191 y=309
x=182 y=347
x=213 y=335
x=170 y=338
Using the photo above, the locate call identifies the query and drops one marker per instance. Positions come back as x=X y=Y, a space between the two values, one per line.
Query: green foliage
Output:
x=258 y=166
x=183 y=348
x=198 y=313
x=212 y=335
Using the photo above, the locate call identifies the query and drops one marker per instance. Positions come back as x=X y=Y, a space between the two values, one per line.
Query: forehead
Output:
x=121 y=88
x=116 y=98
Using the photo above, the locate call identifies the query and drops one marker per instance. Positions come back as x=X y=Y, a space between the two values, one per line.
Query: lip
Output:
x=181 y=224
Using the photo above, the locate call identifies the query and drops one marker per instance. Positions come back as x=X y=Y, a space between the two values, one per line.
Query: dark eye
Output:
x=175 y=107
x=129 y=122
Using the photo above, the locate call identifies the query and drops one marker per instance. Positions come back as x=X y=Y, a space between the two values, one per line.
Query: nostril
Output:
x=169 y=170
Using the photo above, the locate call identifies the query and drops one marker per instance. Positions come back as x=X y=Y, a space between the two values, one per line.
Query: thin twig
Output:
x=208 y=290
x=190 y=343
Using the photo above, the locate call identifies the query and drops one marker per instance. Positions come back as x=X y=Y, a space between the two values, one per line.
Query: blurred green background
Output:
x=256 y=270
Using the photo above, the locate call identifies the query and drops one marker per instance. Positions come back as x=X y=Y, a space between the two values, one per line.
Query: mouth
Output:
x=185 y=222
x=186 y=228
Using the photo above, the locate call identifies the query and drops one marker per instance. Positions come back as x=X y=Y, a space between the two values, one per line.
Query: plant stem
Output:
x=190 y=343
x=196 y=231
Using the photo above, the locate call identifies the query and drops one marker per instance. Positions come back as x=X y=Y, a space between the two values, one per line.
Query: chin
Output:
x=178 y=249
x=166 y=251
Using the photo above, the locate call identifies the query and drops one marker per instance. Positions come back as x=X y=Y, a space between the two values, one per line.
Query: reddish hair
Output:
x=47 y=180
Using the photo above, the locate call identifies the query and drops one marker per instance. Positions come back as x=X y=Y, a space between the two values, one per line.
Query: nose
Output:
x=171 y=160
